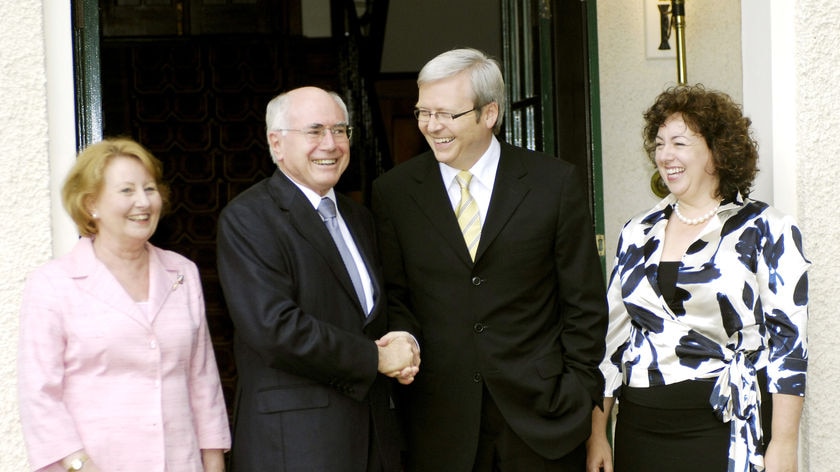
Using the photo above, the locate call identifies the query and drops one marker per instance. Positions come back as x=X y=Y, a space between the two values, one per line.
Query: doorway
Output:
x=190 y=79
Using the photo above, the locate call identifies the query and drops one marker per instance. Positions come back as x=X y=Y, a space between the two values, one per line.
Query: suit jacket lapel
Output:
x=433 y=200
x=311 y=228
x=509 y=190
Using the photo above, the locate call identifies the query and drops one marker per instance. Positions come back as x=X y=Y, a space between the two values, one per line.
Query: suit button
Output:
x=479 y=327
x=477 y=377
x=477 y=281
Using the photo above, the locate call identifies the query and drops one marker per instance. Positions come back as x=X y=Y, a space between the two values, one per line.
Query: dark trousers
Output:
x=501 y=450
x=375 y=462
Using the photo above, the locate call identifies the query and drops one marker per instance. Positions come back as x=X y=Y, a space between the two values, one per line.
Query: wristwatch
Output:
x=77 y=464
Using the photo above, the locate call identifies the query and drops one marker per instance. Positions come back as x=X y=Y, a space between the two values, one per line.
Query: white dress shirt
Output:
x=481 y=185
x=315 y=200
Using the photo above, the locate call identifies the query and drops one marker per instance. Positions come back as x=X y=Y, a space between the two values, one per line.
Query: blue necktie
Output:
x=327 y=210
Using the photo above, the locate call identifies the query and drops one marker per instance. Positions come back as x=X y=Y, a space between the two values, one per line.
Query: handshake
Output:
x=399 y=356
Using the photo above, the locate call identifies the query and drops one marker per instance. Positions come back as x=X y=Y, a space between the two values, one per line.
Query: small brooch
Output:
x=178 y=281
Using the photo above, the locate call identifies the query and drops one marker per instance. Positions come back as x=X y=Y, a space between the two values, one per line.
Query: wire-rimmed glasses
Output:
x=315 y=134
x=424 y=115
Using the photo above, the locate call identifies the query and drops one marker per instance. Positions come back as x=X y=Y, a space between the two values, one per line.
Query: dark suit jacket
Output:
x=308 y=396
x=527 y=319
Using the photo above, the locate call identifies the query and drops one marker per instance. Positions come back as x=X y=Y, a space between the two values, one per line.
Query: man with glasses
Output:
x=301 y=278
x=490 y=261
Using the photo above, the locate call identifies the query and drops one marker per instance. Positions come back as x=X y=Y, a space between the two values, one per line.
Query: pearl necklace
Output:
x=694 y=221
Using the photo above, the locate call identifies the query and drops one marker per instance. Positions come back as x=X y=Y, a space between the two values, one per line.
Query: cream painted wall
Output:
x=34 y=137
x=24 y=193
x=816 y=173
x=630 y=82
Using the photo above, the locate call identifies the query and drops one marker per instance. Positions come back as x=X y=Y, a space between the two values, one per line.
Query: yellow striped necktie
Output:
x=467 y=213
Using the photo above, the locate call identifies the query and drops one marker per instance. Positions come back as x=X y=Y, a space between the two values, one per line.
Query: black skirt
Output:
x=670 y=428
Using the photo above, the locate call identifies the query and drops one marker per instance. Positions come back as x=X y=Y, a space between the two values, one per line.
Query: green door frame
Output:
x=87 y=71
x=538 y=127
x=595 y=129
x=544 y=32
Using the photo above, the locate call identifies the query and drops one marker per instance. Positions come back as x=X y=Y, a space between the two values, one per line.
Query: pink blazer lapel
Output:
x=95 y=279
x=164 y=278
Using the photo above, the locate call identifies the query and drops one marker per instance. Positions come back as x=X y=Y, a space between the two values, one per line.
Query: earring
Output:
x=94 y=215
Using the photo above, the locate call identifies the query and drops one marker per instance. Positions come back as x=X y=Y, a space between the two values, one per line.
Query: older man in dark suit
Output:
x=302 y=281
x=490 y=260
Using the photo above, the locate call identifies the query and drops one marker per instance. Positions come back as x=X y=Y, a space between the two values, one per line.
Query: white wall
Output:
x=630 y=82
x=24 y=193
x=813 y=166
x=756 y=53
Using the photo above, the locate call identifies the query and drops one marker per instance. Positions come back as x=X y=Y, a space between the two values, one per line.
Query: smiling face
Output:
x=315 y=164
x=128 y=206
x=461 y=142
x=685 y=161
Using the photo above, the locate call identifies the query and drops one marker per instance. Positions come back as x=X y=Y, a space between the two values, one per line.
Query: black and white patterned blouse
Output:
x=740 y=305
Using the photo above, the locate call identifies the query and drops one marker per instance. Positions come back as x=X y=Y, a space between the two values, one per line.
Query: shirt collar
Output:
x=483 y=171
x=312 y=195
x=662 y=210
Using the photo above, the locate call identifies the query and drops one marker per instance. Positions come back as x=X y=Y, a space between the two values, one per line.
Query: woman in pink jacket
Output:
x=116 y=368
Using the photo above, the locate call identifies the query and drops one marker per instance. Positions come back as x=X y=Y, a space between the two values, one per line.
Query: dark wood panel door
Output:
x=199 y=106
x=143 y=18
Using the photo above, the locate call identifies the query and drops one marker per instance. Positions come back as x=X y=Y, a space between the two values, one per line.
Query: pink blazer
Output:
x=138 y=391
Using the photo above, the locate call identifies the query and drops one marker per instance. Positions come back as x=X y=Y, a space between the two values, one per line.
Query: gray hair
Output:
x=485 y=76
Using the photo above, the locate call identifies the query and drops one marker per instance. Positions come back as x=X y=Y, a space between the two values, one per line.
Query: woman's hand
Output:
x=213 y=460
x=598 y=454
x=598 y=449
x=781 y=454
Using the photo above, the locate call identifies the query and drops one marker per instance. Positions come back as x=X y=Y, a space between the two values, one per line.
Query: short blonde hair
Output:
x=86 y=178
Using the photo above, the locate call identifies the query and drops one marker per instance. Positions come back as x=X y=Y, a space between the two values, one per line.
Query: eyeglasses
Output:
x=315 y=134
x=442 y=116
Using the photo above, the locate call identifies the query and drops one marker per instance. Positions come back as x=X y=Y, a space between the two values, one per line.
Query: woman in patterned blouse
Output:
x=708 y=307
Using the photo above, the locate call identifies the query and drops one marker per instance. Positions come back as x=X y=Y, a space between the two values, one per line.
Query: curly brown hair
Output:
x=721 y=122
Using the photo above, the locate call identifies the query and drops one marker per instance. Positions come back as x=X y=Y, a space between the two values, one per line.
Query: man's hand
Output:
x=399 y=356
